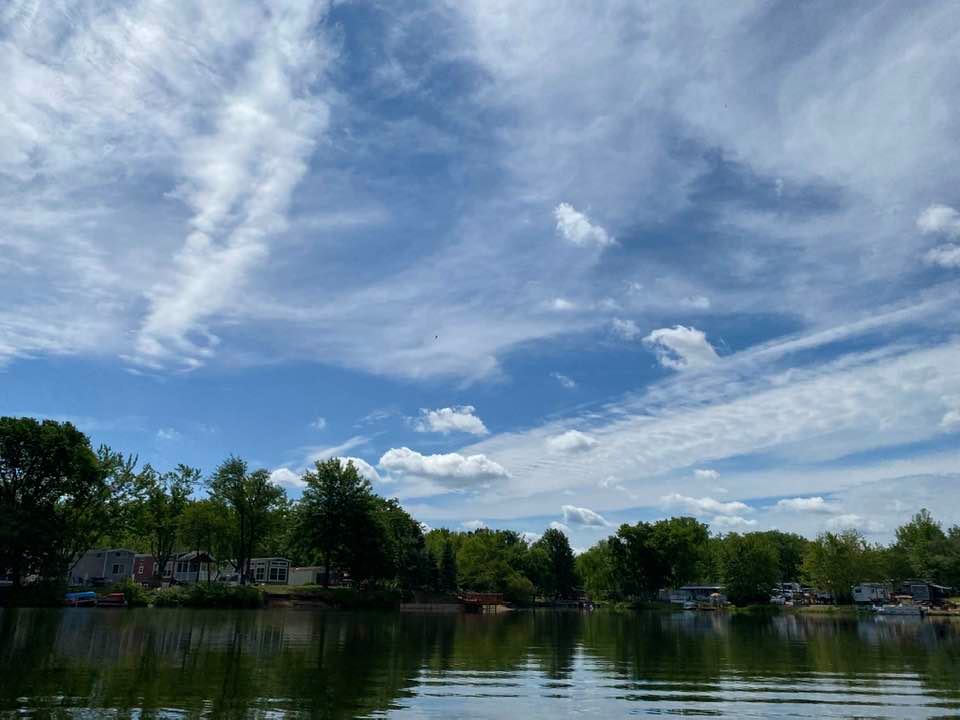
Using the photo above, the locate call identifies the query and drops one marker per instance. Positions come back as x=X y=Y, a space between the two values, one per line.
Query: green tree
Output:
x=750 y=567
x=57 y=496
x=637 y=562
x=924 y=545
x=448 y=567
x=596 y=570
x=163 y=498
x=561 y=566
x=250 y=498
x=205 y=528
x=790 y=549
x=837 y=561
x=679 y=544
x=336 y=520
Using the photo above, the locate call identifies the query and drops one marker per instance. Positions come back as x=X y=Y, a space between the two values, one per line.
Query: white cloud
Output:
x=939 y=219
x=319 y=423
x=727 y=521
x=167 y=434
x=365 y=469
x=814 y=504
x=474 y=525
x=572 y=441
x=556 y=525
x=946 y=255
x=573 y=515
x=681 y=348
x=424 y=528
x=627 y=329
x=530 y=537
x=562 y=305
x=950 y=419
x=287 y=478
x=707 y=474
x=451 y=470
x=845 y=521
x=704 y=505
x=575 y=227
x=566 y=382
x=451 y=419
x=324 y=453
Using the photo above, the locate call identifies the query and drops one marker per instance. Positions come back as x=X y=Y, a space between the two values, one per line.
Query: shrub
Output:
x=134 y=593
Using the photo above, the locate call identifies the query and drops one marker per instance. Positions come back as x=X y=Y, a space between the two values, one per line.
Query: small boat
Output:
x=690 y=605
x=906 y=610
x=80 y=599
x=116 y=599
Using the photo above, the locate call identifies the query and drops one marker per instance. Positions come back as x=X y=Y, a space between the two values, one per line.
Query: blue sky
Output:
x=527 y=263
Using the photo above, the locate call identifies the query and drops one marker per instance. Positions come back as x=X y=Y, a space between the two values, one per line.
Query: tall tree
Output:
x=751 y=567
x=561 y=565
x=448 y=567
x=838 y=561
x=336 y=508
x=163 y=499
x=57 y=496
x=924 y=545
x=251 y=498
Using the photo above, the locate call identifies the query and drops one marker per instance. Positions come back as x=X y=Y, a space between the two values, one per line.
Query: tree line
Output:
x=60 y=497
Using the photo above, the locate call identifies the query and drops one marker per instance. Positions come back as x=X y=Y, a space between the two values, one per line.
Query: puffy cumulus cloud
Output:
x=572 y=441
x=566 y=382
x=424 y=528
x=681 y=348
x=704 y=505
x=946 y=256
x=814 y=504
x=557 y=525
x=287 y=478
x=707 y=474
x=474 y=525
x=575 y=227
x=365 y=469
x=939 y=220
x=452 y=470
x=732 y=521
x=573 y=515
x=318 y=423
x=627 y=329
x=451 y=419
x=529 y=537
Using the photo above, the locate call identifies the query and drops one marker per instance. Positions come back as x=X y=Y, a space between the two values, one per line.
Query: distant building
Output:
x=145 y=569
x=926 y=592
x=273 y=570
x=313 y=575
x=694 y=593
x=870 y=593
x=191 y=567
x=102 y=567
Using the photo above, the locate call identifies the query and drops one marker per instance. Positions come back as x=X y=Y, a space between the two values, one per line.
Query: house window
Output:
x=274 y=574
x=282 y=574
x=259 y=574
x=117 y=568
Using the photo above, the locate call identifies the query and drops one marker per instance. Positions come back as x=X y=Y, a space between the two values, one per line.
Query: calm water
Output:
x=88 y=663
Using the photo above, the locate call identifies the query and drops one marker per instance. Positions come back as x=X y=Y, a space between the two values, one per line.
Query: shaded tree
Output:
x=560 y=576
x=159 y=509
x=750 y=567
x=837 y=561
x=250 y=498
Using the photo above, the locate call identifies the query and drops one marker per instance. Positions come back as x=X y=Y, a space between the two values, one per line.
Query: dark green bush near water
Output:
x=134 y=593
x=208 y=596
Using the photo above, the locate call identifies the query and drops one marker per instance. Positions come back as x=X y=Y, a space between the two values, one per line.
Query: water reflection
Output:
x=287 y=663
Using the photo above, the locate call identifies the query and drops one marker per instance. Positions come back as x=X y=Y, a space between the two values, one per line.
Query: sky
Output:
x=528 y=264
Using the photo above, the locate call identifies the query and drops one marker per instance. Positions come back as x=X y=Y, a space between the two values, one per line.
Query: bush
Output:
x=134 y=593
x=213 y=595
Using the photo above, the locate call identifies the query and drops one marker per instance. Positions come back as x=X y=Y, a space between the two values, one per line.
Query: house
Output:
x=269 y=570
x=102 y=567
x=871 y=593
x=313 y=575
x=694 y=593
x=145 y=569
x=191 y=567
x=926 y=592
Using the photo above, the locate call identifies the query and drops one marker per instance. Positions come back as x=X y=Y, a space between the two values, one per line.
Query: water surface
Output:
x=86 y=663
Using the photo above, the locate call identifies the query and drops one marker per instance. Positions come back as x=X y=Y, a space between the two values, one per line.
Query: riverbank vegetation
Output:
x=60 y=497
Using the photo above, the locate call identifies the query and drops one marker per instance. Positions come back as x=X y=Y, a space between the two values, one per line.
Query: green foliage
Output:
x=837 y=561
x=158 y=511
x=558 y=575
x=250 y=499
x=750 y=567
x=596 y=569
x=208 y=595
x=448 y=567
x=134 y=593
x=57 y=496
x=790 y=551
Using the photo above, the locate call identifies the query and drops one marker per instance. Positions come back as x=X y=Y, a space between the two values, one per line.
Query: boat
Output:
x=115 y=599
x=86 y=598
x=690 y=605
x=906 y=610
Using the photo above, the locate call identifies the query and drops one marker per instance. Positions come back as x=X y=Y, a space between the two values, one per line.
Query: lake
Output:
x=157 y=663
